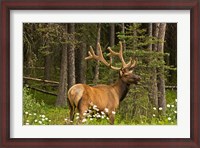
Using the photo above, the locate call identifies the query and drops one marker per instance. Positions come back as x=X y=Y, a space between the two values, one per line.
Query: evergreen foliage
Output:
x=48 y=39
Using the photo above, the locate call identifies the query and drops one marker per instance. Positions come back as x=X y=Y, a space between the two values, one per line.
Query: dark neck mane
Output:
x=122 y=89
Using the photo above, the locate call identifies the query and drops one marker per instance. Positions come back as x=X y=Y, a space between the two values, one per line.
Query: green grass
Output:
x=40 y=107
x=42 y=97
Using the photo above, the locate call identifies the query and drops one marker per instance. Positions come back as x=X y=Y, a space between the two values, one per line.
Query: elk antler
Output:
x=100 y=57
x=131 y=64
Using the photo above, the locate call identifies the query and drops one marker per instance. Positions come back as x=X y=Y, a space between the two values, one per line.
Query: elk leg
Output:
x=82 y=111
x=72 y=112
x=111 y=118
x=82 y=107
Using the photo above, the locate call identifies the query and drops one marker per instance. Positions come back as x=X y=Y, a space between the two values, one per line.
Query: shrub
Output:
x=33 y=112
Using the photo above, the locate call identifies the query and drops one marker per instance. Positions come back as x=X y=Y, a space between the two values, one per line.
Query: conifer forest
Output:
x=119 y=73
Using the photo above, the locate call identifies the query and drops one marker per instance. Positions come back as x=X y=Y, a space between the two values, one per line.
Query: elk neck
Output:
x=121 y=88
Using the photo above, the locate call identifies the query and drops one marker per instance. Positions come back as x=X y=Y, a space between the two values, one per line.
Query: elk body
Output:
x=82 y=96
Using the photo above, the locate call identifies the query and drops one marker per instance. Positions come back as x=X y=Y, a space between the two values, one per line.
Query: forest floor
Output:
x=39 y=109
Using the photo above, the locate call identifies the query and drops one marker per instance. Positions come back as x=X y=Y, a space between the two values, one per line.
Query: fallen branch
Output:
x=43 y=91
x=40 y=80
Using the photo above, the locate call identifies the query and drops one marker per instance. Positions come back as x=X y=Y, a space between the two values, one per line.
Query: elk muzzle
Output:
x=135 y=79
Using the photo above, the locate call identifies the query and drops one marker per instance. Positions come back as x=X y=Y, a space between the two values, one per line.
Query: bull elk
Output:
x=82 y=96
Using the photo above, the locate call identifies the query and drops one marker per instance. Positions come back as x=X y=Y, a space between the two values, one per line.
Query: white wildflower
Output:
x=43 y=119
x=65 y=119
x=160 y=108
x=172 y=105
x=27 y=123
x=154 y=115
x=26 y=113
x=169 y=118
x=154 y=108
x=84 y=120
x=40 y=122
x=30 y=114
x=27 y=120
x=46 y=118
x=34 y=114
x=36 y=121
x=84 y=114
x=71 y=121
x=90 y=111
x=98 y=116
x=94 y=106
x=96 y=109
x=77 y=117
x=107 y=118
x=168 y=105
x=43 y=116
x=113 y=112
x=176 y=100
x=91 y=119
x=106 y=110
x=175 y=112
x=77 y=114
x=102 y=117
x=102 y=113
x=49 y=120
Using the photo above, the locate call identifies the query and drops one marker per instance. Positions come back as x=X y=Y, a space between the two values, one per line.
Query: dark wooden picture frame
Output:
x=7 y=6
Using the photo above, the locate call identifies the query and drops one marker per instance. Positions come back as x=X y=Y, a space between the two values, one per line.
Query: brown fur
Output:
x=103 y=96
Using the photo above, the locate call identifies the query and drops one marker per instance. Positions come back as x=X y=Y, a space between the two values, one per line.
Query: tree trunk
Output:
x=112 y=34
x=161 y=76
x=48 y=64
x=96 y=69
x=150 y=33
x=135 y=35
x=123 y=41
x=153 y=97
x=28 y=65
x=47 y=67
x=62 y=91
x=155 y=34
x=29 y=53
x=71 y=56
x=81 y=64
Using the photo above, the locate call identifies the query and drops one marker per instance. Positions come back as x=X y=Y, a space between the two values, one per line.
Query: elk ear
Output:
x=121 y=72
